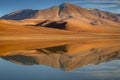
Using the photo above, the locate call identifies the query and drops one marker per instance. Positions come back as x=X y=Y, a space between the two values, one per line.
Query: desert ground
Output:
x=17 y=37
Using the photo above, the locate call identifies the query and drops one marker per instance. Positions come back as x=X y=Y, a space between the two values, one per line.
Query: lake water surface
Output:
x=86 y=60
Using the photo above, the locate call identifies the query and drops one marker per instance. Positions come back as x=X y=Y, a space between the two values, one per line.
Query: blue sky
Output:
x=7 y=6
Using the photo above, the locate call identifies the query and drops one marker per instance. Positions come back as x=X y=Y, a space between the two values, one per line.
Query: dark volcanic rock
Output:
x=54 y=24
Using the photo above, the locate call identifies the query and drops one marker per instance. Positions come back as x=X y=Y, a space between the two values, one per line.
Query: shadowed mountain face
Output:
x=63 y=12
x=20 y=15
x=68 y=57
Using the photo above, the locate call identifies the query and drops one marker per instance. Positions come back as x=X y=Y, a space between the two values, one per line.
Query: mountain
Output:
x=63 y=12
x=69 y=17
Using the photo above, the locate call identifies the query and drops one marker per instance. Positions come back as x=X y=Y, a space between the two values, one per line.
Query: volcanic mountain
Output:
x=68 y=16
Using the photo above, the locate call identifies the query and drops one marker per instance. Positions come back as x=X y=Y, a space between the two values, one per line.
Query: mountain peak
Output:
x=65 y=4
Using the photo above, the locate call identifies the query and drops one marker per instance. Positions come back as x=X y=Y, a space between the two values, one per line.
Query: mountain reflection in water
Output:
x=68 y=56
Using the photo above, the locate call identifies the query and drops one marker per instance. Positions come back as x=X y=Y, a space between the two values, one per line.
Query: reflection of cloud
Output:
x=104 y=71
x=106 y=66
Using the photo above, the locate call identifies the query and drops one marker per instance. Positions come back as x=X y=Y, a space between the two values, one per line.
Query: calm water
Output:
x=97 y=60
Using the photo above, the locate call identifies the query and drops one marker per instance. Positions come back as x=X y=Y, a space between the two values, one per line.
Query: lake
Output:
x=60 y=60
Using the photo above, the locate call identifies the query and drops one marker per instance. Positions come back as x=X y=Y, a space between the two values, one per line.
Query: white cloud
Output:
x=106 y=5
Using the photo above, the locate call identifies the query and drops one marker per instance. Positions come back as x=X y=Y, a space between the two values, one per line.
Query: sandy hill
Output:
x=10 y=29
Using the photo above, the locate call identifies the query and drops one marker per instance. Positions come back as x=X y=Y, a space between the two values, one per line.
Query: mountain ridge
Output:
x=62 y=12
